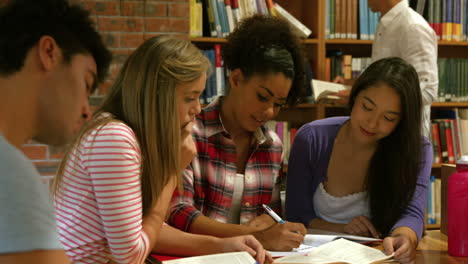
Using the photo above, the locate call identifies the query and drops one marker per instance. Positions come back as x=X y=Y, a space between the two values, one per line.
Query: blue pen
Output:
x=273 y=214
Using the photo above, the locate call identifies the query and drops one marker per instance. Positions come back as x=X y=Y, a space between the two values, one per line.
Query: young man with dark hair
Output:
x=51 y=59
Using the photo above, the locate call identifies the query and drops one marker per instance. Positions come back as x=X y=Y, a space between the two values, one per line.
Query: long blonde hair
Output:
x=144 y=97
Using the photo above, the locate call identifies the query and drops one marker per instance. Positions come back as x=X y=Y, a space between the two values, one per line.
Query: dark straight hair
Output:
x=393 y=169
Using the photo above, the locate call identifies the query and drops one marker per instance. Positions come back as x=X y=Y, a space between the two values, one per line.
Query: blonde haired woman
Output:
x=114 y=186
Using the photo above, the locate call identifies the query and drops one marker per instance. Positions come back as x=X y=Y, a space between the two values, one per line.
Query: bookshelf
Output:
x=313 y=15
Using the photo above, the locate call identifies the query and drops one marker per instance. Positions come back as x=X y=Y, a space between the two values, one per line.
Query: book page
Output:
x=225 y=258
x=340 y=250
x=312 y=241
x=323 y=89
x=318 y=240
x=303 y=249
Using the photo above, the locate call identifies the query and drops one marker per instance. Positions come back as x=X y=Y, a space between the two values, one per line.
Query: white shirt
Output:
x=234 y=214
x=403 y=33
x=340 y=210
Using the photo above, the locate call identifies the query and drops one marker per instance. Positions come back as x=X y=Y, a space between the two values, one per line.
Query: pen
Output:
x=273 y=214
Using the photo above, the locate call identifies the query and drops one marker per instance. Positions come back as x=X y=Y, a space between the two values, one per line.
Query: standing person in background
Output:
x=238 y=162
x=51 y=60
x=404 y=33
x=114 y=185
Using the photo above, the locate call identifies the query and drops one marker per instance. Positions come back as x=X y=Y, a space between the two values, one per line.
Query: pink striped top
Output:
x=99 y=207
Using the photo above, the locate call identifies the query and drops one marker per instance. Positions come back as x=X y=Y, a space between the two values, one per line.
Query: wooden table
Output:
x=433 y=250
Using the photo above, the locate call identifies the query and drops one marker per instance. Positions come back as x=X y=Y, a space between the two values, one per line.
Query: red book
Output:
x=436 y=143
x=448 y=134
x=292 y=134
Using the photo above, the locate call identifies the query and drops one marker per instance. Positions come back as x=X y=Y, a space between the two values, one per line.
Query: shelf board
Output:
x=432 y=226
x=348 y=41
x=369 y=42
x=452 y=43
x=310 y=41
x=450 y=104
x=223 y=40
x=208 y=40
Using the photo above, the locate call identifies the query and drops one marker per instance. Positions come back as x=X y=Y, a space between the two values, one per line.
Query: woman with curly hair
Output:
x=238 y=162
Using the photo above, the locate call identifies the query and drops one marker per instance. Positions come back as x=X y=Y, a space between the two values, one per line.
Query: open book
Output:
x=338 y=251
x=323 y=90
x=225 y=258
x=312 y=241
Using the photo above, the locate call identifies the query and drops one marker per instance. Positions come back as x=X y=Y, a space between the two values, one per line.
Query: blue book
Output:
x=214 y=7
x=223 y=18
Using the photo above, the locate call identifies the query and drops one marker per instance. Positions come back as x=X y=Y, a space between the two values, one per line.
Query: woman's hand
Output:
x=261 y=222
x=246 y=243
x=189 y=149
x=402 y=242
x=361 y=226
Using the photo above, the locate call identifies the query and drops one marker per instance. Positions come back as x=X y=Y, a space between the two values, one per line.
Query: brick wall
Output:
x=124 y=25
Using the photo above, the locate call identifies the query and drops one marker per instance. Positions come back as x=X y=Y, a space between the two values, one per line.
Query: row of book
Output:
x=339 y=64
x=349 y=19
x=286 y=135
x=217 y=18
x=448 y=18
x=215 y=83
x=434 y=201
x=449 y=135
x=453 y=80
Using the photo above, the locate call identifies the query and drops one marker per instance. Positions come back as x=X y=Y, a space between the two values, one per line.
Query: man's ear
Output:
x=49 y=53
x=235 y=77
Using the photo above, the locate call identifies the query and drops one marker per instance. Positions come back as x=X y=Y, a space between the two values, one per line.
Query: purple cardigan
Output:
x=308 y=165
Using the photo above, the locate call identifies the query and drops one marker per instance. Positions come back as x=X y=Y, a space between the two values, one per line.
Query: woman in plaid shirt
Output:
x=238 y=162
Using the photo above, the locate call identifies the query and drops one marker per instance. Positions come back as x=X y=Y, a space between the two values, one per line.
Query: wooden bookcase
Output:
x=312 y=14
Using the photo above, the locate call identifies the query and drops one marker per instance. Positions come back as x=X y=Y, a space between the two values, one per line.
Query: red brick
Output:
x=167 y=25
x=35 y=152
x=119 y=56
x=156 y=9
x=179 y=10
x=104 y=87
x=56 y=152
x=131 y=8
x=120 y=24
x=131 y=40
x=46 y=168
x=107 y=8
x=111 y=40
x=150 y=35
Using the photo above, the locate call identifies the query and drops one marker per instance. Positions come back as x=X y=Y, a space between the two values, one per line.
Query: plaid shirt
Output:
x=209 y=180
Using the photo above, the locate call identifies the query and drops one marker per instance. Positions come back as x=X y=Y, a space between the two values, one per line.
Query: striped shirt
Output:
x=210 y=179
x=99 y=207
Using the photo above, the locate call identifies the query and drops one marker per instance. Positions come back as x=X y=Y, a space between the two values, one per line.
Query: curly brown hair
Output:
x=262 y=45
